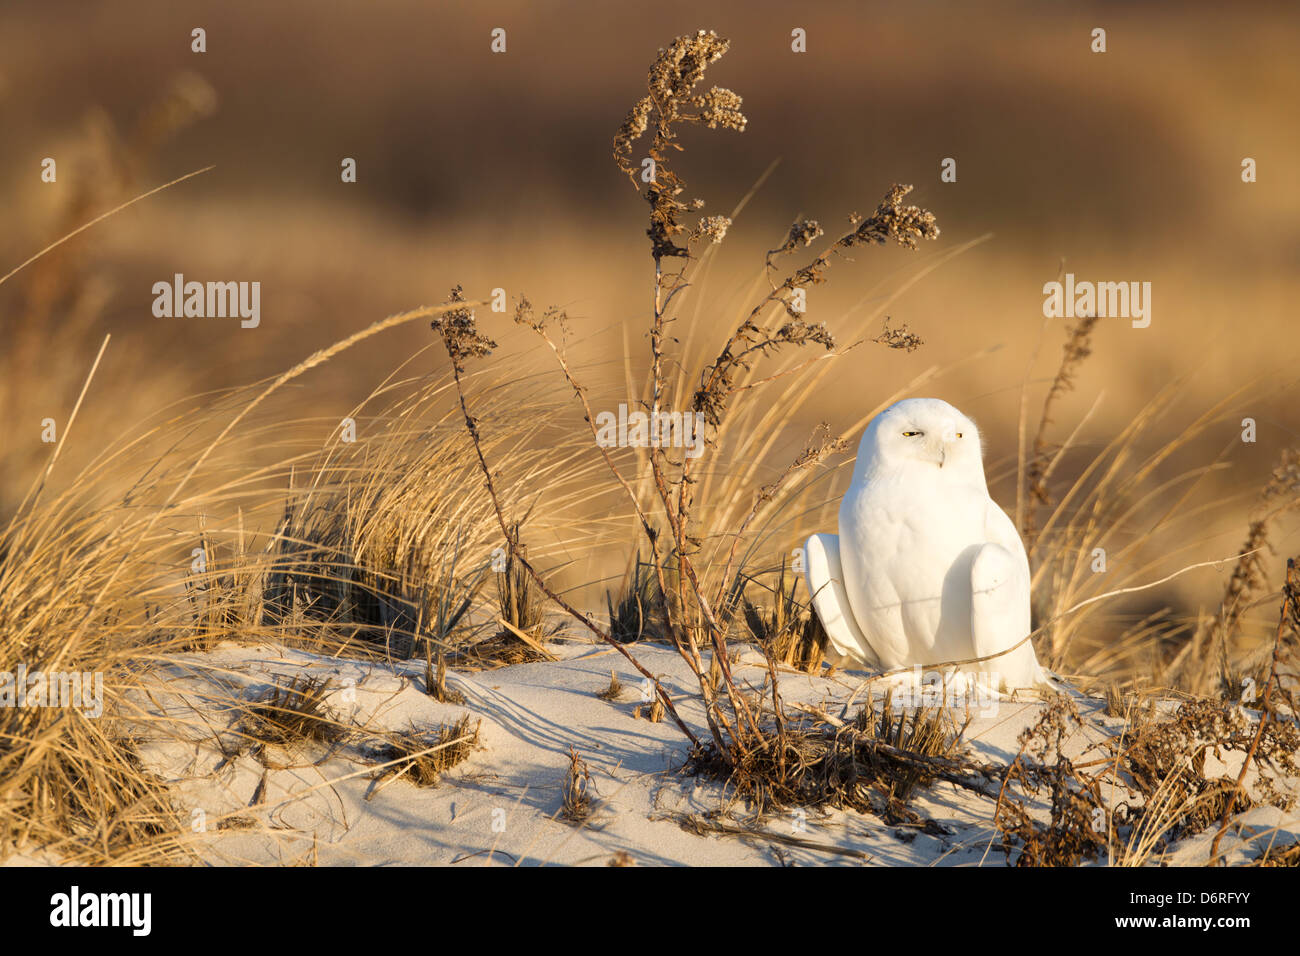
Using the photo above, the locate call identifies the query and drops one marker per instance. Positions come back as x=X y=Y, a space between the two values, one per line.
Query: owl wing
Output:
x=1000 y=612
x=1000 y=529
x=825 y=579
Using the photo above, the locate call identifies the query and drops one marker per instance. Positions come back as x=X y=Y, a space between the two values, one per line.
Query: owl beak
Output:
x=939 y=452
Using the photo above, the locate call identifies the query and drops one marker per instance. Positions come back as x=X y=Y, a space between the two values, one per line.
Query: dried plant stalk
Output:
x=695 y=621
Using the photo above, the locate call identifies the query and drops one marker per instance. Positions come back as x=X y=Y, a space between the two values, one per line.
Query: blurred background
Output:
x=494 y=170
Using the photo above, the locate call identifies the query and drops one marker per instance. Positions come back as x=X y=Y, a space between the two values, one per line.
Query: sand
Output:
x=321 y=804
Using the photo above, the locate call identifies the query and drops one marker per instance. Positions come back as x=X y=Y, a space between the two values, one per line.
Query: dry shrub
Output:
x=1071 y=834
x=874 y=764
x=1287 y=854
x=1160 y=761
x=922 y=732
x=423 y=756
x=291 y=715
x=575 y=803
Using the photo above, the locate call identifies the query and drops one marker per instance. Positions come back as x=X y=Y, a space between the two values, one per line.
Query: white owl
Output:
x=926 y=568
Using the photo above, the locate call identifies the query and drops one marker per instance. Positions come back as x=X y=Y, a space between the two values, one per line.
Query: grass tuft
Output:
x=423 y=756
x=575 y=804
x=292 y=715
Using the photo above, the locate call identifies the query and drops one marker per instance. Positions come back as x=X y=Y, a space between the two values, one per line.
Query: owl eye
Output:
x=959 y=434
x=912 y=434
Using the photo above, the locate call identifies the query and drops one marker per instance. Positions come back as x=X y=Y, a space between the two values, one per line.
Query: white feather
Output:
x=927 y=569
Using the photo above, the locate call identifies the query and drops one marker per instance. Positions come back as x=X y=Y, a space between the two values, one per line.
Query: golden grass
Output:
x=163 y=545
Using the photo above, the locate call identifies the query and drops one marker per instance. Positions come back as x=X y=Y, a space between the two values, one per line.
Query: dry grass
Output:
x=614 y=690
x=386 y=541
x=164 y=544
x=702 y=533
x=521 y=620
x=1283 y=855
x=636 y=614
x=435 y=682
x=874 y=764
x=789 y=632
x=291 y=715
x=1103 y=525
x=519 y=598
x=422 y=757
x=1159 y=762
x=575 y=802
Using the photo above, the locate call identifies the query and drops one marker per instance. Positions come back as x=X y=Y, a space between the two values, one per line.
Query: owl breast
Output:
x=907 y=543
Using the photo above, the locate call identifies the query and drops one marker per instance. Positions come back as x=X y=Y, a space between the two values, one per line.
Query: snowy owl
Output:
x=926 y=568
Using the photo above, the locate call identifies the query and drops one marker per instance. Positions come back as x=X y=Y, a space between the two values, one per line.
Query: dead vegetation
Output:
x=1086 y=523
x=163 y=580
x=874 y=764
x=423 y=756
x=435 y=682
x=636 y=613
x=519 y=598
x=380 y=559
x=522 y=620
x=614 y=690
x=1161 y=762
x=575 y=802
x=1287 y=854
x=290 y=715
x=1150 y=788
x=788 y=631
x=690 y=592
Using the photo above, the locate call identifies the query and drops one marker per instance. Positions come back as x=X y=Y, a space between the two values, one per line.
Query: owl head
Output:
x=921 y=433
